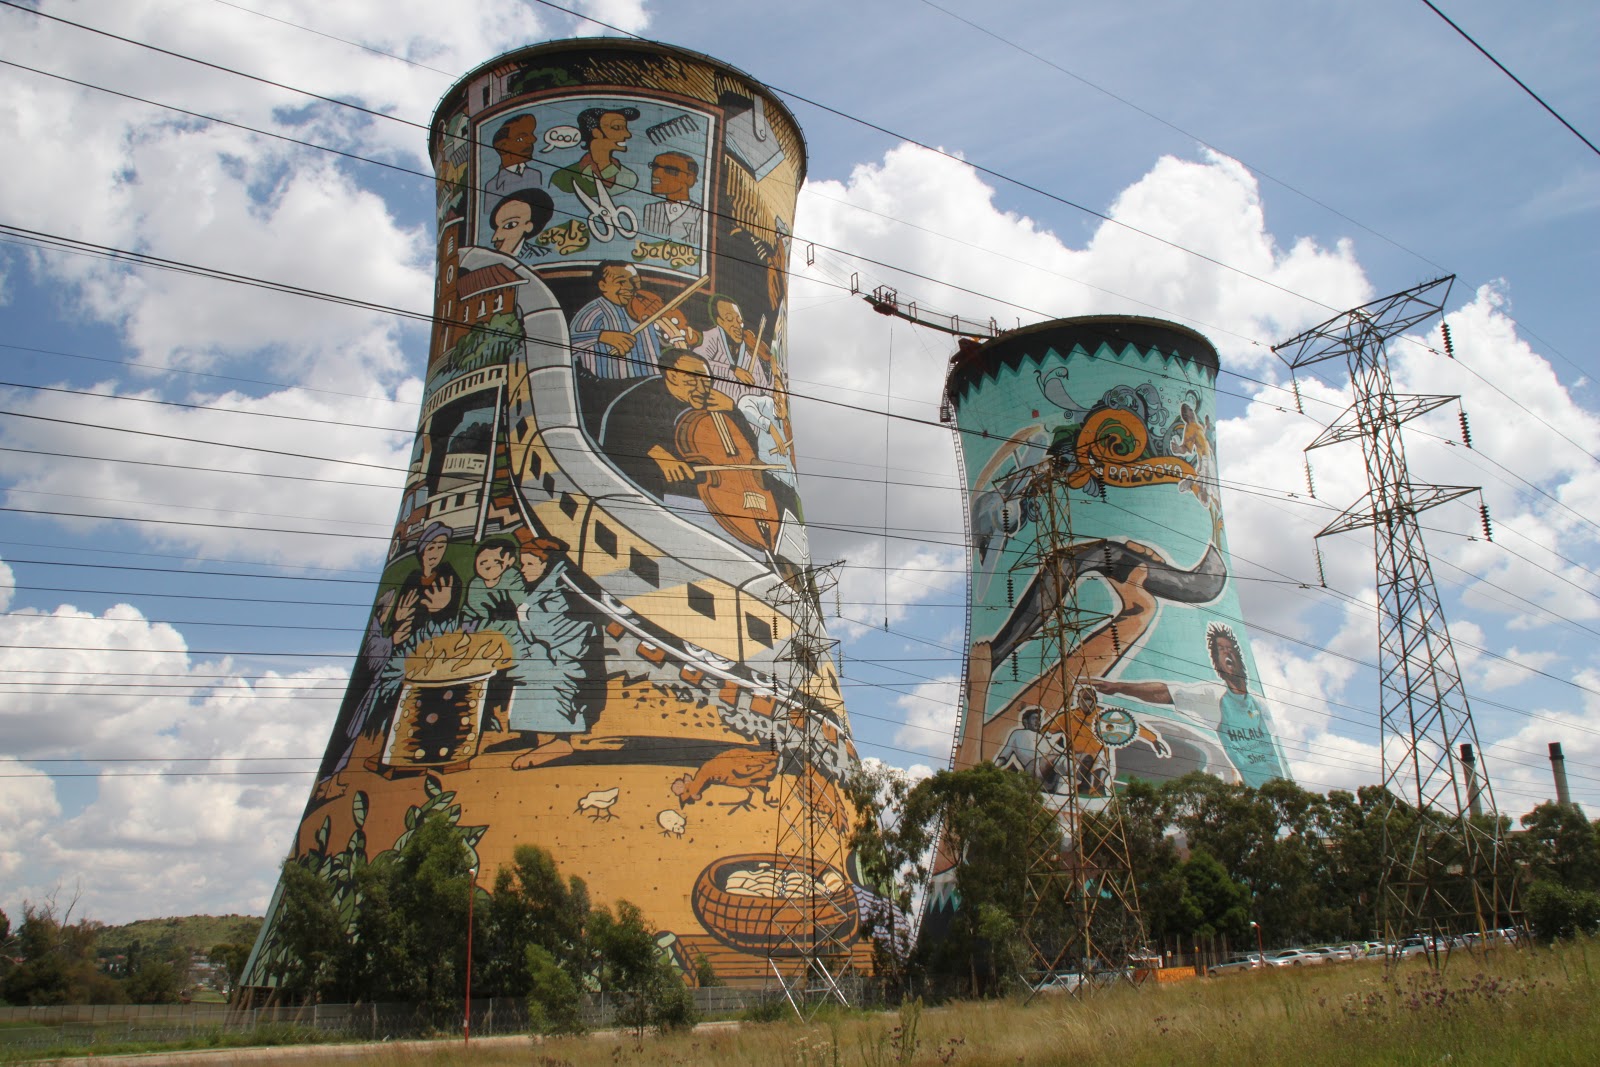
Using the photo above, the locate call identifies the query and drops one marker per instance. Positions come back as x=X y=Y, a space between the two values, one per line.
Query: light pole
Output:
x=472 y=891
x=1261 y=953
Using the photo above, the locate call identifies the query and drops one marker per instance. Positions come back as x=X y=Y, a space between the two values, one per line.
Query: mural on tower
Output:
x=578 y=633
x=1124 y=407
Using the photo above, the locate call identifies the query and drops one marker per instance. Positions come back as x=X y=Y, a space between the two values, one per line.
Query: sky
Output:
x=199 y=476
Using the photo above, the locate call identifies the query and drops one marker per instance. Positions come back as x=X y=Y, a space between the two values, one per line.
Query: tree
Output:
x=310 y=931
x=1561 y=846
x=993 y=820
x=154 y=981
x=231 y=956
x=628 y=963
x=410 y=933
x=1554 y=911
x=531 y=905
x=1212 y=904
x=56 y=962
x=554 y=1003
x=878 y=792
x=1153 y=859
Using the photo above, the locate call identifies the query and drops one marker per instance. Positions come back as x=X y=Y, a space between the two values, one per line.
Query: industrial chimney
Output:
x=1558 y=768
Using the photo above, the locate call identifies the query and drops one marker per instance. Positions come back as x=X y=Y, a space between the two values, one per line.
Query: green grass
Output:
x=116 y=1043
x=196 y=933
x=1536 y=1007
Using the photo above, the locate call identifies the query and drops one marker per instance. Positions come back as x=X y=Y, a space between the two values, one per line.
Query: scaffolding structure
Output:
x=816 y=911
x=1445 y=872
x=1081 y=919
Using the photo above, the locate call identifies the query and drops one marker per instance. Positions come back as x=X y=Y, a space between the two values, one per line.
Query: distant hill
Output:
x=197 y=933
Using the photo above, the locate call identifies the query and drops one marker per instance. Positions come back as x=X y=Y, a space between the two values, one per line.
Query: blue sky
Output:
x=1336 y=151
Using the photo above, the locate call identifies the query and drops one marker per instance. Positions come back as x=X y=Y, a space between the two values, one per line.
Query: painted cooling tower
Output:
x=1124 y=407
x=578 y=640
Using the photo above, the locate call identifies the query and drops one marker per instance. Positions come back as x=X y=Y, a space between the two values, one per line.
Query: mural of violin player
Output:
x=579 y=631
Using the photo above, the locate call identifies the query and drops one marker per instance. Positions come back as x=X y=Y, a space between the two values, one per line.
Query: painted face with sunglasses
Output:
x=672 y=175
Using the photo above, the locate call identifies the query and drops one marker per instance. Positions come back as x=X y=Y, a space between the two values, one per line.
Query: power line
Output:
x=835 y=111
x=1177 y=129
x=1520 y=83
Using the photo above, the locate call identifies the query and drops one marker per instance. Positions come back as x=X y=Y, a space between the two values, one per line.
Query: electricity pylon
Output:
x=1445 y=873
x=816 y=914
x=1081 y=911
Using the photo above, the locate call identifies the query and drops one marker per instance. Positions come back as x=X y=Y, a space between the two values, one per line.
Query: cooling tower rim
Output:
x=974 y=360
x=642 y=45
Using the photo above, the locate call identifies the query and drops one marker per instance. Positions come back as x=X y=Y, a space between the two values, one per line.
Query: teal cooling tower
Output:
x=1165 y=680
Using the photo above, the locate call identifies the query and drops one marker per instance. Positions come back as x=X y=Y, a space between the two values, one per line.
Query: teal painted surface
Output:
x=1167 y=682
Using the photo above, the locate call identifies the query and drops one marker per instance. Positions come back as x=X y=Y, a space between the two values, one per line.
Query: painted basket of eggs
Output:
x=768 y=904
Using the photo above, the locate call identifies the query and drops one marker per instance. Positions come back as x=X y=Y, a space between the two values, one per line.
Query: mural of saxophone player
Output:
x=1138 y=576
x=1241 y=722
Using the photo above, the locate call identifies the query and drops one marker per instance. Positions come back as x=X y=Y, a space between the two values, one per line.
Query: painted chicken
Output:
x=737 y=768
x=598 y=803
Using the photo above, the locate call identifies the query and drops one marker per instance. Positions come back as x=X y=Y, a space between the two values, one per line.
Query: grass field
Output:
x=1515 y=1007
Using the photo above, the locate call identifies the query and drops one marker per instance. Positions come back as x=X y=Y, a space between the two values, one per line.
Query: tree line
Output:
x=1208 y=857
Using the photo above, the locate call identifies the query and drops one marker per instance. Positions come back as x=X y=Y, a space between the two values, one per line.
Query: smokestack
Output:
x=582 y=619
x=1558 y=768
x=1469 y=763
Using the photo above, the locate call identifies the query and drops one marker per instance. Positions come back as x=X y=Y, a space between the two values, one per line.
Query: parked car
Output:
x=1293 y=957
x=1417 y=945
x=1340 y=952
x=1243 y=961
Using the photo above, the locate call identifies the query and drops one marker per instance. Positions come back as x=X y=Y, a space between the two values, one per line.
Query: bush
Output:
x=766 y=1010
x=1555 y=911
x=554 y=1004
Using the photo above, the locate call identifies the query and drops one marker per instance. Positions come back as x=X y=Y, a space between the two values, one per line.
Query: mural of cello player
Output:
x=676 y=433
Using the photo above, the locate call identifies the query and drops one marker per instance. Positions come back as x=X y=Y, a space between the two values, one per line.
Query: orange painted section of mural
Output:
x=578 y=636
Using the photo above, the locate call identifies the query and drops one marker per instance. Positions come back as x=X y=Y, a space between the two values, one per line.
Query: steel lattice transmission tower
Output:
x=1082 y=907
x=1444 y=871
x=816 y=911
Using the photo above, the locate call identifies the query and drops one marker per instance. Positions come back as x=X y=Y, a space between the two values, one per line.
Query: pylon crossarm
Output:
x=1407 y=501
x=1374 y=322
x=1351 y=425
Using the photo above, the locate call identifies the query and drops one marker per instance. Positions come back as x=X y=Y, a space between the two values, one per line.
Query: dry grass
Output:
x=1532 y=1007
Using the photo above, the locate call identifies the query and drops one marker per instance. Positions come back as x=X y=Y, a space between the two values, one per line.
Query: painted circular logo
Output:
x=1115 y=727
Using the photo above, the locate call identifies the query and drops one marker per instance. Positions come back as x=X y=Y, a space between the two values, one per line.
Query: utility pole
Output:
x=1445 y=873
x=816 y=912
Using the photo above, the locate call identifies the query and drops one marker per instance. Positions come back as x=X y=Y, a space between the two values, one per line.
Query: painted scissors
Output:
x=606 y=219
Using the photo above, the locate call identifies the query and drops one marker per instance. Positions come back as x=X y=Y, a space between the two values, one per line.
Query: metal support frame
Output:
x=1081 y=918
x=1445 y=872
x=812 y=843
